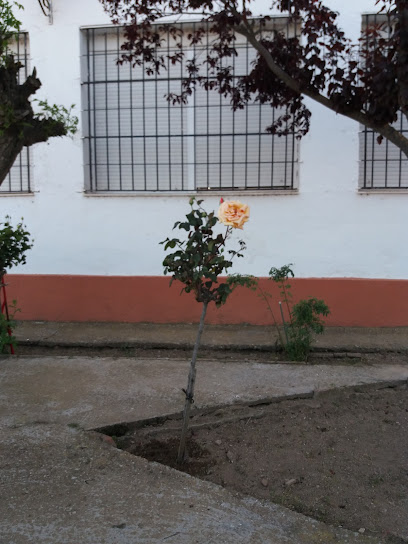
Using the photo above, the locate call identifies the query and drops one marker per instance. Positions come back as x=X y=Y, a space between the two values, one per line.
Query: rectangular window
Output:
x=18 y=179
x=135 y=140
x=382 y=166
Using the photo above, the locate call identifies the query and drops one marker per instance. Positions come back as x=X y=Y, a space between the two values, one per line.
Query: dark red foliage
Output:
x=309 y=56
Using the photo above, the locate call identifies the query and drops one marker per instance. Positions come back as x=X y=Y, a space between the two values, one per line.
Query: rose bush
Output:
x=233 y=213
x=199 y=261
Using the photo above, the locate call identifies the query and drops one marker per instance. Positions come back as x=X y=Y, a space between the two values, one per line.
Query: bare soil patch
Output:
x=341 y=457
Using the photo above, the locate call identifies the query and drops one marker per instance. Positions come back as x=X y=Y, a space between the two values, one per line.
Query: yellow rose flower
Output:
x=233 y=213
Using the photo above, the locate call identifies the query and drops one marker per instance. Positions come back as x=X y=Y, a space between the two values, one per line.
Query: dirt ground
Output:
x=341 y=457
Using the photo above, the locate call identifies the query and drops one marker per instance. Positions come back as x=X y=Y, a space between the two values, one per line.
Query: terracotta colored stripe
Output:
x=353 y=301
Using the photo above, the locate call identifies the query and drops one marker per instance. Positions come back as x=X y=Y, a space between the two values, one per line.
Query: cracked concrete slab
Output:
x=94 y=392
x=61 y=484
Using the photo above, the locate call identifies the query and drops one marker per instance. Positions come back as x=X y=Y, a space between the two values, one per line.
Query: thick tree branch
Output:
x=15 y=138
x=41 y=130
x=371 y=93
x=30 y=86
x=387 y=131
x=402 y=64
x=18 y=125
x=246 y=30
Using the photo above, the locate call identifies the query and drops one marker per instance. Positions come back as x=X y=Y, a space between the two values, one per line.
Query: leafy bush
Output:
x=305 y=321
x=303 y=318
x=14 y=242
x=198 y=262
x=6 y=326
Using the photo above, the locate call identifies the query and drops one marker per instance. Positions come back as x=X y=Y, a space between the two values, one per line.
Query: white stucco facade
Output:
x=327 y=229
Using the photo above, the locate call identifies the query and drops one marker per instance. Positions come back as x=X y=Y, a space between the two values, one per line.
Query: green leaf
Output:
x=14 y=243
x=198 y=261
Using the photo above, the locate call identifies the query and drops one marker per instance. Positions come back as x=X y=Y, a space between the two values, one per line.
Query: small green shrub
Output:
x=6 y=326
x=14 y=243
x=303 y=319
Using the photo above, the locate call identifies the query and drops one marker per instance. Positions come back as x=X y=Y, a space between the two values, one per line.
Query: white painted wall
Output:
x=327 y=230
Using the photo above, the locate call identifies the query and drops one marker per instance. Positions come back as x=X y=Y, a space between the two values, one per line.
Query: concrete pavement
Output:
x=60 y=483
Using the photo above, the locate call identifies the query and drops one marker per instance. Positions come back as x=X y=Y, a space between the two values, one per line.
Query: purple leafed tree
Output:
x=311 y=57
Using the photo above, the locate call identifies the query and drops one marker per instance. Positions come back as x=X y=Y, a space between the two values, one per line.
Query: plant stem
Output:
x=3 y=304
x=190 y=389
x=265 y=297
x=284 y=323
x=286 y=296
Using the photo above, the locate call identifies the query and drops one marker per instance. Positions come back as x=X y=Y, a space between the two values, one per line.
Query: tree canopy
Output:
x=311 y=57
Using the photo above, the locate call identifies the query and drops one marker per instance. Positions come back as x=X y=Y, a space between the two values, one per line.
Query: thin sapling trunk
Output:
x=198 y=262
x=190 y=389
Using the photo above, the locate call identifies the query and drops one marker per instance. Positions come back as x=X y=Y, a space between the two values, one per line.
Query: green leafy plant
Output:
x=14 y=243
x=305 y=322
x=9 y=24
x=303 y=318
x=57 y=114
x=266 y=297
x=197 y=262
x=281 y=277
x=7 y=324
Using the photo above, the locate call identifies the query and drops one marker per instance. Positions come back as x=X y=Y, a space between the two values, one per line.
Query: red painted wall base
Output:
x=353 y=301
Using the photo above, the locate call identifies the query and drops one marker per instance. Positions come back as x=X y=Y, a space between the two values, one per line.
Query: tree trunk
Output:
x=18 y=125
x=10 y=147
x=190 y=389
x=394 y=136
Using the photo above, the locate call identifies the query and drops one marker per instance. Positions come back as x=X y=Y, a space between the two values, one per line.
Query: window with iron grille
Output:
x=135 y=140
x=18 y=179
x=382 y=166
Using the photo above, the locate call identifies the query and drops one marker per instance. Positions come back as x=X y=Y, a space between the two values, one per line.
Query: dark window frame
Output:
x=381 y=166
x=18 y=180
x=196 y=172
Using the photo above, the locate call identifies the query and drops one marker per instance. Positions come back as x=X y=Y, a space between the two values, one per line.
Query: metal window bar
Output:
x=382 y=166
x=88 y=89
x=182 y=110
x=195 y=117
x=95 y=149
x=137 y=141
x=169 y=116
x=18 y=179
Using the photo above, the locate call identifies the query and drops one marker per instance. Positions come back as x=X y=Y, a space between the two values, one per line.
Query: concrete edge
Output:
x=248 y=500
x=345 y=351
x=122 y=428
